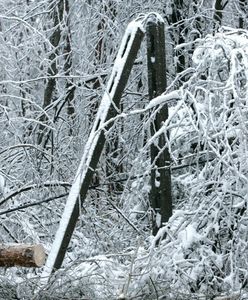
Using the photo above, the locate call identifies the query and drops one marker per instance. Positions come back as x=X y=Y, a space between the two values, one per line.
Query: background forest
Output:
x=56 y=57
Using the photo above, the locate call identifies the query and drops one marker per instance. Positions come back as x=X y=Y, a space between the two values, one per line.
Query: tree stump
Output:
x=22 y=255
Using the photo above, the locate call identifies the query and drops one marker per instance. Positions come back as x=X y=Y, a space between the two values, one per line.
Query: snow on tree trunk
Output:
x=94 y=146
x=160 y=194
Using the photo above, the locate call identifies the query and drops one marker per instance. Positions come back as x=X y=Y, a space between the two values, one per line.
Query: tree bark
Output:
x=52 y=70
x=218 y=13
x=179 y=35
x=22 y=255
x=243 y=16
x=93 y=150
x=160 y=194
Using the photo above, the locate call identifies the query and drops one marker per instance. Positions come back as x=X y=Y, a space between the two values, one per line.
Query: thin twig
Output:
x=32 y=186
x=32 y=204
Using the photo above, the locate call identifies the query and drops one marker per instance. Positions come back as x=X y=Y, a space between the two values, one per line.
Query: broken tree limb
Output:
x=22 y=255
x=109 y=108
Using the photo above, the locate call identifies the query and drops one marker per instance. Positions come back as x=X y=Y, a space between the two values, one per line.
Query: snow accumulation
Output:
x=174 y=95
x=158 y=219
x=188 y=236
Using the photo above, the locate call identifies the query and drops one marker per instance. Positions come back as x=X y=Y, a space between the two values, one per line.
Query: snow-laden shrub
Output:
x=205 y=249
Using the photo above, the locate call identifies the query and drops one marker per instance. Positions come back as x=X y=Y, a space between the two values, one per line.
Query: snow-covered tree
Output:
x=112 y=252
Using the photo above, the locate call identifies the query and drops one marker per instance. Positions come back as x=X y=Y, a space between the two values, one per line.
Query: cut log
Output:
x=22 y=255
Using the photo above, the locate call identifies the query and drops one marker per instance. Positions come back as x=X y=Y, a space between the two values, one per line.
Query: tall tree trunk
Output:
x=52 y=71
x=92 y=151
x=70 y=86
x=179 y=34
x=160 y=194
x=218 y=13
x=243 y=16
x=61 y=13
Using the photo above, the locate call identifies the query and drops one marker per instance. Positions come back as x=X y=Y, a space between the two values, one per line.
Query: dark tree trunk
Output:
x=160 y=194
x=52 y=70
x=243 y=16
x=179 y=34
x=218 y=13
x=70 y=86
x=91 y=156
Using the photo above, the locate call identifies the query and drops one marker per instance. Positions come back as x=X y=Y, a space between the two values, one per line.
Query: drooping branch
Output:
x=33 y=186
x=23 y=206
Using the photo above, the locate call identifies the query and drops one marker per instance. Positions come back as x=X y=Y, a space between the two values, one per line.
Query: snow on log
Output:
x=22 y=255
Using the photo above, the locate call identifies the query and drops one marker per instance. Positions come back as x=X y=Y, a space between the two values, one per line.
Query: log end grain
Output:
x=22 y=255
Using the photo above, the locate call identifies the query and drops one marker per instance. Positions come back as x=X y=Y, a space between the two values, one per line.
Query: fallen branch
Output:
x=22 y=255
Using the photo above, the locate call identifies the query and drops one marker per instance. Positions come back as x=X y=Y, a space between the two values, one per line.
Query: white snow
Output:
x=157 y=183
x=2 y=184
x=158 y=219
x=163 y=98
x=188 y=236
